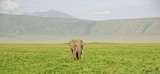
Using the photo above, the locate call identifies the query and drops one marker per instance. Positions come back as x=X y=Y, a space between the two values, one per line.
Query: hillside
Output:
x=145 y=26
x=20 y=27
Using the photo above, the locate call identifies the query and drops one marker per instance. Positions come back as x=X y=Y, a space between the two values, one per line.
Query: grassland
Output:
x=97 y=59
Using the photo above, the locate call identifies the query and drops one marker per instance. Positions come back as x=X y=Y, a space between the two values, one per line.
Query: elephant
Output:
x=76 y=48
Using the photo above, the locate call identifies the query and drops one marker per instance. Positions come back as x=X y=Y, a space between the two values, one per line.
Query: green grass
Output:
x=98 y=58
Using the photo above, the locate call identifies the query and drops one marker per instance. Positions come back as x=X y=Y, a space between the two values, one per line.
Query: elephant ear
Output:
x=82 y=45
x=81 y=42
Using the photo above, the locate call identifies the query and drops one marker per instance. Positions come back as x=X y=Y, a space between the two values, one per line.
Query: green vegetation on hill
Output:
x=96 y=59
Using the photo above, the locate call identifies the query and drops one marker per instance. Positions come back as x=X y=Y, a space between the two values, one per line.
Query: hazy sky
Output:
x=86 y=9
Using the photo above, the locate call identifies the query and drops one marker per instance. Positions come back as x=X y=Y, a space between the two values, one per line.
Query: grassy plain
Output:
x=98 y=58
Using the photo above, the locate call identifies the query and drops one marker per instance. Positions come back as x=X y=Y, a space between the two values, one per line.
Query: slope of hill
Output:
x=18 y=28
x=13 y=25
x=50 y=14
x=145 y=26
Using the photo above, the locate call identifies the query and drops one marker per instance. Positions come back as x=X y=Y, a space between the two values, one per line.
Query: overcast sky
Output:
x=86 y=9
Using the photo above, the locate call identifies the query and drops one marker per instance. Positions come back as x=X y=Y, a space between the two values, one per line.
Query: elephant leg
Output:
x=79 y=55
x=72 y=51
x=74 y=55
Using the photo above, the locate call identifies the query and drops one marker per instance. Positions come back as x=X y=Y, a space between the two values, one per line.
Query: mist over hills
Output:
x=50 y=14
x=25 y=28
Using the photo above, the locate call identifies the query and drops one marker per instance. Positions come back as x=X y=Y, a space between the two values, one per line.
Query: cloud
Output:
x=102 y=13
x=8 y=5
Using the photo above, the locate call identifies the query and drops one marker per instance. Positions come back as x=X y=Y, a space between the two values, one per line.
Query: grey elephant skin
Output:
x=76 y=48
